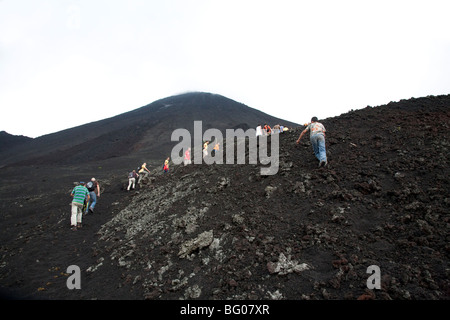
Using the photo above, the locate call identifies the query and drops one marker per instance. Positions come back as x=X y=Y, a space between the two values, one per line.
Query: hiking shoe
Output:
x=74 y=228
x=322 y=163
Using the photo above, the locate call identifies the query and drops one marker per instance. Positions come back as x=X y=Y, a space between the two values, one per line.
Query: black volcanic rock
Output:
x=221 y=232
x=144 y=133
x=9 y=141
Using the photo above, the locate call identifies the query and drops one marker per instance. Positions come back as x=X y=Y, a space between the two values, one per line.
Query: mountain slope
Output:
x=144 y=132
x=8 y=141
x=227 y=232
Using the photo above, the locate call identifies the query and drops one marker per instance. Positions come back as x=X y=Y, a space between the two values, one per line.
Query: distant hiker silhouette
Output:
x=187 y=157
x=259 y=131
x=215 y=149
x=205 y=149
x=166 y=165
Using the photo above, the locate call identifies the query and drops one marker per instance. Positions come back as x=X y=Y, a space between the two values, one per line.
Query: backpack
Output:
x=131 y=175
x=90 y=186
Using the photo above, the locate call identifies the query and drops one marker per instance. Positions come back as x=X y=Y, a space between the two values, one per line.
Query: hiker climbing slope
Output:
x=94 y=192
x=187 y=157
x=80 y=193
x=132 y=176
x=317 y=138
x=166 y=165
x=143 y=173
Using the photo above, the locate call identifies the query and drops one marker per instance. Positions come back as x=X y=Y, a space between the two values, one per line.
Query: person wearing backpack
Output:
x=132 y=176
x=94 y=192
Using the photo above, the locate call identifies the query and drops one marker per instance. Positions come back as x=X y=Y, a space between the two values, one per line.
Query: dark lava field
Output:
x=226 y=232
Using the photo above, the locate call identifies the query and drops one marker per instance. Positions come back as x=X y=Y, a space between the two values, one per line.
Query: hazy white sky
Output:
x=64 y=63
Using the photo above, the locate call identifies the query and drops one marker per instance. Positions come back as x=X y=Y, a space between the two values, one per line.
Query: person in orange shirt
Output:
x=215 y=149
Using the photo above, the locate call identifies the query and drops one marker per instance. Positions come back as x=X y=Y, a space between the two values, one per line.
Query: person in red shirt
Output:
x=166 y=165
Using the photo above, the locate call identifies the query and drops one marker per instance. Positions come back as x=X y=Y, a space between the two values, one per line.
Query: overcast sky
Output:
x=64 y=63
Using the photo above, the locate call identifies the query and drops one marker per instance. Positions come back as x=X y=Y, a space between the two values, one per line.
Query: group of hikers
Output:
x=85 y=194
x=187 y=156
x=84 y=200
x=142 y=173
x=266 y=130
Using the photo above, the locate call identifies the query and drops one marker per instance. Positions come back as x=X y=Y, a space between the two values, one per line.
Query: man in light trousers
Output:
x=80 y=194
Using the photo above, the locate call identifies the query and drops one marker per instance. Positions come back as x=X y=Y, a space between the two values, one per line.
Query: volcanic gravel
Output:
x=224 y=231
